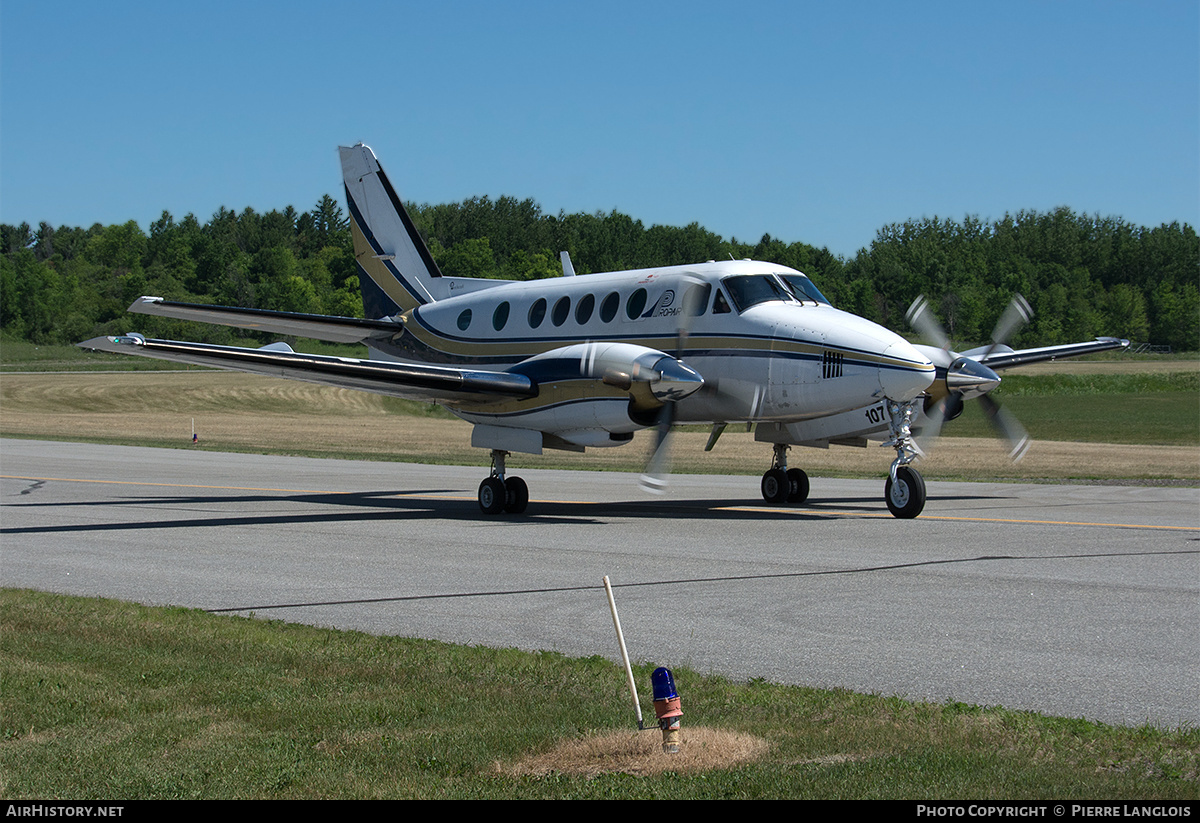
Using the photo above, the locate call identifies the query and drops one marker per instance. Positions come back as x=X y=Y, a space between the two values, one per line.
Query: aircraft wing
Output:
x=314 y=326
x=1003 y=357
x=414 y=382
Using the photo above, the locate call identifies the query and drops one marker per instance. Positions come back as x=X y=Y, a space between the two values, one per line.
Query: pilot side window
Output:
x=803 y=288
x=500 y=316
x=561 y=309
x=720 y=304
x=583 y=312
x=751 y=289
x=537 y=313
x=608 y=309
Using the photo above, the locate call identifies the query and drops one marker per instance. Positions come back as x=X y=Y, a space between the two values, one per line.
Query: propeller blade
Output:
x=677 y=382
x=967 y=377
x=1014 y=317
x=929 y=430
x=654 y=478
x=922 y=319
x=1007 y=427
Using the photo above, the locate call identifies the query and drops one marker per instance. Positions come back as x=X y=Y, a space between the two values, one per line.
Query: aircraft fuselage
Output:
x=767 y=351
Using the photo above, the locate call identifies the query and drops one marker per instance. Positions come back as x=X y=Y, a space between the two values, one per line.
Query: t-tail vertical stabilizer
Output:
x=395 y=269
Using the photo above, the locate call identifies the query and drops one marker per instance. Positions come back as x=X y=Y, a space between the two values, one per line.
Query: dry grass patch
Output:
x=239 y=412
x=640 y=753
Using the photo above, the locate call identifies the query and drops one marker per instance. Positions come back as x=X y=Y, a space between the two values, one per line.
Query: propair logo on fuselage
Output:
x=665 y=307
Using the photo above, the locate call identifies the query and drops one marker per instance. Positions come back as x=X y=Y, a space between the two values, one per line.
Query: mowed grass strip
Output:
x=1109 y=436
x=108 y=700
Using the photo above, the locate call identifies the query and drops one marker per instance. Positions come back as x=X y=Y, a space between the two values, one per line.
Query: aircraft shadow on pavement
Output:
x=229 y=510
x=226 y=510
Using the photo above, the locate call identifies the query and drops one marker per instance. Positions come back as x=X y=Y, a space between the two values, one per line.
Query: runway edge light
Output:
x=667 y=707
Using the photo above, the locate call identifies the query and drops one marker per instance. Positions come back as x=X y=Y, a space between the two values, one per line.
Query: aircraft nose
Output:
x=904 y=372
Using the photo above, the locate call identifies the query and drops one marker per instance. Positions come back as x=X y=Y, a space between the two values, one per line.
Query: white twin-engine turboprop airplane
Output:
x=588 y=360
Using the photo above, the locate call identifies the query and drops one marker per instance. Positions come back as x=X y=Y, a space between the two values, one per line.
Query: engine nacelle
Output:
x=625 y=366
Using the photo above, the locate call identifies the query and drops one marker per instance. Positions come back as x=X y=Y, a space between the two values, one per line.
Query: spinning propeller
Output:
x=966 y=376
x=654 y=477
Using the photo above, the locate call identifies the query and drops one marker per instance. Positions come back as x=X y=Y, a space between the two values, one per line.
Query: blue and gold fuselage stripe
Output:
x=423 y=342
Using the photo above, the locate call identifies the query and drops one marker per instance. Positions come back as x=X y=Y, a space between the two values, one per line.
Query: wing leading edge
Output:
x=435 y=384
x=1003 y=357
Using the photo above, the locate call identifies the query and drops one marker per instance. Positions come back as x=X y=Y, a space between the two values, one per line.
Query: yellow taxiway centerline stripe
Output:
x=961 y=519
x=758 y=509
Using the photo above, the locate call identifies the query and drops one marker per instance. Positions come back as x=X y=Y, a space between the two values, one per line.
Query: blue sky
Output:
x=812 y=122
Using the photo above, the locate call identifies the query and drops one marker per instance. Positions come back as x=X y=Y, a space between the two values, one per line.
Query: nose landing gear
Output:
x=905 y=495
x=904 y=491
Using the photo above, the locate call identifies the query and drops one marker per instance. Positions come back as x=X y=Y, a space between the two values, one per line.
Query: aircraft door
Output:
x=794 y=373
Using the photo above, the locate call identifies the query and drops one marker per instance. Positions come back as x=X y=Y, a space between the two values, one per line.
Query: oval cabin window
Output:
x=500 y=316
x=561 y=309
x=608 y=309
x=636 y=304
x=583 y=312
x=537 y=313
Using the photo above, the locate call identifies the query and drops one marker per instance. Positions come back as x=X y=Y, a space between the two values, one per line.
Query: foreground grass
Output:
x=109 y=700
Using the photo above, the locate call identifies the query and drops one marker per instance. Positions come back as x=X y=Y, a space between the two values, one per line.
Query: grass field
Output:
x=108 y=700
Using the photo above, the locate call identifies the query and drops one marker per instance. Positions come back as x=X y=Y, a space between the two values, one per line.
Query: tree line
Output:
x=1084 y=275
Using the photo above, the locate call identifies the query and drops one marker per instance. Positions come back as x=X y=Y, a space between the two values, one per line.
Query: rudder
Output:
x=396 y=272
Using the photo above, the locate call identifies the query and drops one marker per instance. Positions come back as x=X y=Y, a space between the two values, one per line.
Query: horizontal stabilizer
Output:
x=415 y=382
x=313 y=326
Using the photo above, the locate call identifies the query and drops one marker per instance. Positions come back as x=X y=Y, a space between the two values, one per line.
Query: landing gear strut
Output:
x=498 y=493
x=904 y=491
x=783 y=485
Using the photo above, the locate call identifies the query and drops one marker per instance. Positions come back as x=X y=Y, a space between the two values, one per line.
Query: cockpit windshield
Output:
x=751 y=289
x=803 y=288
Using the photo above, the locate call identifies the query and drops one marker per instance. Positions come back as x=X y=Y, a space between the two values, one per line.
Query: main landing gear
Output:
x=498 y=493
x=783 y=485
x=904 y=491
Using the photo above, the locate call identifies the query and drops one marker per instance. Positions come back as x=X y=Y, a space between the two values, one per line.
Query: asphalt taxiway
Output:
x=1068 y=600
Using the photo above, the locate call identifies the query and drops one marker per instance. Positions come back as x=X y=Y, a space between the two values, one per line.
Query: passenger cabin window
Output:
x=583 y=312
x=561 y=309
x=608 y=309
x=464 y=319
x=500 y=316
x=636 y=304
x=537 y=313
x=804 y=289
x=751 y=289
